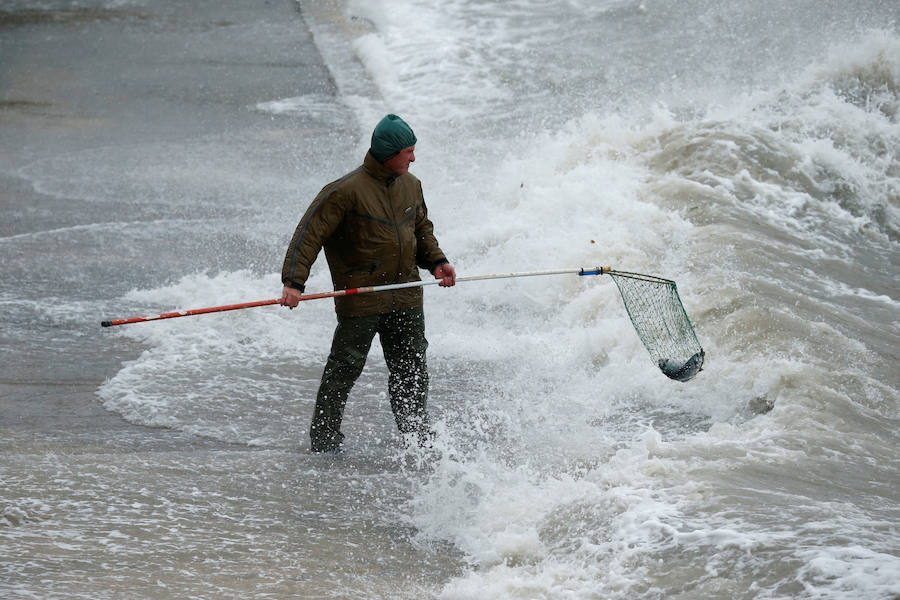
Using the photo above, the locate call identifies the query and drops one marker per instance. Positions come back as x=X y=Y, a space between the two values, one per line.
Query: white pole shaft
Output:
x=400 y=286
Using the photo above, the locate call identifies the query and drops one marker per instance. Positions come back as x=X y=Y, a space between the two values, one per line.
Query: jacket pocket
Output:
x=367 y=268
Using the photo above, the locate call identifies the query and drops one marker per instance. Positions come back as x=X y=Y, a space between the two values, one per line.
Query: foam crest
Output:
x=250 y=350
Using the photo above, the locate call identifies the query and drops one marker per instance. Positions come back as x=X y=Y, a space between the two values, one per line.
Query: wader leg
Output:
x=402 y=335
x=349 y=348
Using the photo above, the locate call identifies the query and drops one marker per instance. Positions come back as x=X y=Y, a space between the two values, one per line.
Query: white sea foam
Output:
x=779 y=171
x=317 y=105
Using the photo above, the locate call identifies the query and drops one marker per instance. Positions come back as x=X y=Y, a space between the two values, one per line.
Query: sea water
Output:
x=748 y=151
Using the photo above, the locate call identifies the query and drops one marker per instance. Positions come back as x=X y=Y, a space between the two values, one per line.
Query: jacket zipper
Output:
x=398 y=275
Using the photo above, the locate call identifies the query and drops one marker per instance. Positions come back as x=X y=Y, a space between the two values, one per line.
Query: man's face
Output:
x=399 y=163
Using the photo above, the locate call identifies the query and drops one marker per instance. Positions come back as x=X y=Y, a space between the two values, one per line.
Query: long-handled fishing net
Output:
x=652 y=303
x=661 y=322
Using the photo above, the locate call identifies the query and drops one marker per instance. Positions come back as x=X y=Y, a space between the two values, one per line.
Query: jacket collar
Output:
x=378 y=170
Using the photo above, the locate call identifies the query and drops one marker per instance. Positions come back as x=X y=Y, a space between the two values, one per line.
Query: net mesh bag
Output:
x=661 y=323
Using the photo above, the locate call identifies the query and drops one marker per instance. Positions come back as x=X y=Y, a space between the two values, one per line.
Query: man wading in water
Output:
x=374 y=227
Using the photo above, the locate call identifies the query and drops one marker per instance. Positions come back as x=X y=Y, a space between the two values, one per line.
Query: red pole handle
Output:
x=211 y=309
x=187 y=313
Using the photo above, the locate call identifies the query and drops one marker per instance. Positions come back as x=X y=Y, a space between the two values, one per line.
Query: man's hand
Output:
x=447 y=274
x=290 y=297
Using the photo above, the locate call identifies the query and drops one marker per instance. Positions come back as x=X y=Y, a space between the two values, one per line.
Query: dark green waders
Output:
x=402 y=335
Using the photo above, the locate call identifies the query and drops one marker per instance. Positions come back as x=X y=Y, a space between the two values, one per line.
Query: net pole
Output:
x=350 y=292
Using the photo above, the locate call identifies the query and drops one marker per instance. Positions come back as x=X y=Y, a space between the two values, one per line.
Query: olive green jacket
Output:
x=375 y=230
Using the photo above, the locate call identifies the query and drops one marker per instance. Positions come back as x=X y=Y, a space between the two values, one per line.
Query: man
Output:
x=374 y=227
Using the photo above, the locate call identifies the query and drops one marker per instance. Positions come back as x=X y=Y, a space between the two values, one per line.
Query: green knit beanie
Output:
x=391 y=135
